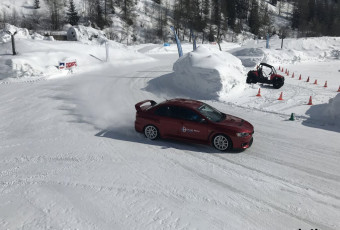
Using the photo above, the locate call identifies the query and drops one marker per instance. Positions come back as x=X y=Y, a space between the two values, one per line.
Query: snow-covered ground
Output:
x=71 y=159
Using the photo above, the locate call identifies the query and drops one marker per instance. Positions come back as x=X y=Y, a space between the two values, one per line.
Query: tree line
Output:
x=211 y=20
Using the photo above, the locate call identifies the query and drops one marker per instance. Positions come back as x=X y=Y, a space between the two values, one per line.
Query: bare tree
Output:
x=14 y=19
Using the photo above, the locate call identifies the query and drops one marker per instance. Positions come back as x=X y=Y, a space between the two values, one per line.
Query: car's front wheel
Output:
x=222 y=142
x=151 y=132
x=251 y=78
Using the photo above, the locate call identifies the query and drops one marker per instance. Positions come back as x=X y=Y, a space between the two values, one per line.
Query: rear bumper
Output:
x=138 y=126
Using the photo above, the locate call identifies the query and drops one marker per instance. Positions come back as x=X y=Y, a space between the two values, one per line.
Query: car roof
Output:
x=265 y=64
x=184 y=102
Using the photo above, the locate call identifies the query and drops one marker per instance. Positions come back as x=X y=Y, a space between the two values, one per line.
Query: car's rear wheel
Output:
x=151 y=132
x=278 y=83
x=222 y=142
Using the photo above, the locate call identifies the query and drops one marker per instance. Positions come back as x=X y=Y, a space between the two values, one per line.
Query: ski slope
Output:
x=71 y=159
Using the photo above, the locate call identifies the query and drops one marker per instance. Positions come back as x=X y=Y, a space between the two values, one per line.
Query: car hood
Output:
x=232 y=121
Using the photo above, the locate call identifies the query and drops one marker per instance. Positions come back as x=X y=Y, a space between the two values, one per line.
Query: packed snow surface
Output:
x=71 y=159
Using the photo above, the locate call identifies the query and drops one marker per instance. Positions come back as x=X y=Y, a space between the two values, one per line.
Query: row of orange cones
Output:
x=315 y=82
x=281 y=97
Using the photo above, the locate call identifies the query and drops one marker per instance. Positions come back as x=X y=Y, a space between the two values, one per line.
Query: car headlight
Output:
x=242 y=134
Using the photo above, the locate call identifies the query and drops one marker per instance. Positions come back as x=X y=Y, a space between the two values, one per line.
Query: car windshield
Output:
x=211 y=113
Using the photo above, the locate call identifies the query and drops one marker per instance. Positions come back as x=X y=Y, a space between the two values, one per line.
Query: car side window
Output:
x=163 y=111
x=185 y=114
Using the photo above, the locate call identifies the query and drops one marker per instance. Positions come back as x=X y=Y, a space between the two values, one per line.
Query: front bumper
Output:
x=246 y=145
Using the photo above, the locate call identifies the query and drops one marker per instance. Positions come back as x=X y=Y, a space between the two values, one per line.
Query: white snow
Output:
x=209 y=75
x=71 y=159
x=39 y=59
x=328 y=113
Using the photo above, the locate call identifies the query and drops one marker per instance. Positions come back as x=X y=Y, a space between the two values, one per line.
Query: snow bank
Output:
x=39 y=58
x=303 y=50
x=87 y=35
x=327 y=113
x=294 y=50
x=332 y=111
x=249 y=56
x=207 y=74
x=20 y=33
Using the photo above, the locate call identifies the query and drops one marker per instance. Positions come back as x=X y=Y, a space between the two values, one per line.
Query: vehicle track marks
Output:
x=253 y=198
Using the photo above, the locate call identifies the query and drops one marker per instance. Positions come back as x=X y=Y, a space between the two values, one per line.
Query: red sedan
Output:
x=195 y=121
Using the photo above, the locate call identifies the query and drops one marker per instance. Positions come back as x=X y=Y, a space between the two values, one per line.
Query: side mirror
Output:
x=203 y=121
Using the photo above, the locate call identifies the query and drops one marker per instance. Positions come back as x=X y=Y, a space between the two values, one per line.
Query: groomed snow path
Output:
x=70 y=159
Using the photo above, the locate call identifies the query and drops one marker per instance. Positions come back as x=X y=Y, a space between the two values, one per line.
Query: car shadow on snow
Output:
x=318 y=119
x=130 y=135
x=164 y=86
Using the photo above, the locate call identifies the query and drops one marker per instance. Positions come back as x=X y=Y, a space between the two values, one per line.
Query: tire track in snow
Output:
x=325 y=194
x=169 y=216
x=284 y=180
x=314 y=172
x=251 y=197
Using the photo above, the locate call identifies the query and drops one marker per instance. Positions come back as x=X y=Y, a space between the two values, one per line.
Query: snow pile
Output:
x=20 y=33
x=332 y=111
x=207 y=74
x=293 y=51
x=87 y=35
x=303 y=49
x=249 y=56
x=38 y=58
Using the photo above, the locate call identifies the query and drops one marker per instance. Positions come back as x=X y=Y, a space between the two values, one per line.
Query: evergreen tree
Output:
x=99 y=18
x=178 y=14
x=230 y=12
x=296 y=15
x=242 y=8
x=254 y=19
x=206 y=11
x=198 y=23
x=72 y=14
x=36 y=4
x=108 y=9
x=216 y=12
x=127 y=8
x=55 y=8
x=265 y=21
x=162 y=21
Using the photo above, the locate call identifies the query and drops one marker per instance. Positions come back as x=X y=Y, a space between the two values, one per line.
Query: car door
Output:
x=192 y=125
x=169 y=124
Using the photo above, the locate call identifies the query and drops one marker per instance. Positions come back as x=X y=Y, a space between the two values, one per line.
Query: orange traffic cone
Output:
x=300 y=77
x=316 y=82
x=325 y=84
x=293 y=75
x=307 y=79
x=288 y=73
x=279 y=68
x=282 y=70
x=280 y=98
x=310 y=101
x=259 y=93
x=338 y=89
